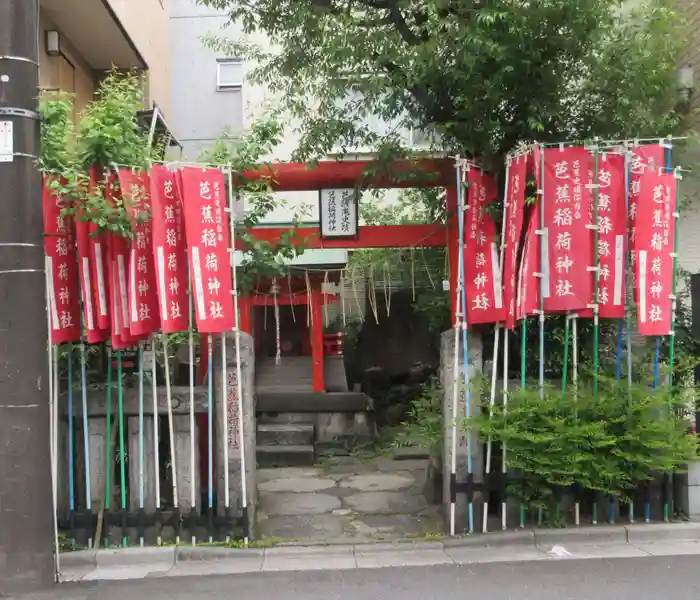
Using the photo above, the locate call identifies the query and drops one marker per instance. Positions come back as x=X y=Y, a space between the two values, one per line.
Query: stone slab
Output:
x=288 y=472
x=300 y=484
x=289 y=504
x=211 y=553
x=376 y=482
x=123 y=573
x=305 y=527
x=386 y=502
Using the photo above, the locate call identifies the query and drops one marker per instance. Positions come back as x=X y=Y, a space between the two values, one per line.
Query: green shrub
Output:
x=608 y=443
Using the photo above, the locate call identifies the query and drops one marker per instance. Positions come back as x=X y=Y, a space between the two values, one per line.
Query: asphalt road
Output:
x=653 y=578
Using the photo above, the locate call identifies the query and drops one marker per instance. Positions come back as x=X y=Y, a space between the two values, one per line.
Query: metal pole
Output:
x=26 y=545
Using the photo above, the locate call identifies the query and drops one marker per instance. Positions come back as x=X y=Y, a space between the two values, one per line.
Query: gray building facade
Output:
x=207 y=86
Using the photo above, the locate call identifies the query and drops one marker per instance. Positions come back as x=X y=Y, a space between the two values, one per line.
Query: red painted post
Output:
x=246 y=315
x=317 y=341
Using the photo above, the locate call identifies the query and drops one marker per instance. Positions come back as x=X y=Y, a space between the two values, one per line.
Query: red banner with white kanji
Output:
x=484 y=290
x=528 y=293
x=98 y=258
x=119 y=286
x=568 y=284
x=612 y=225
x=513 y=220
x=93 y=333
x=656 y=214
x=61 y=270
x=144 y=316
x=206 y=231
x=169 y=249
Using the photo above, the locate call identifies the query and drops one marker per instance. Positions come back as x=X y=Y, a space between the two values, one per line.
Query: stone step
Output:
x=280 y=434
x=286 y=418
x=285 y=456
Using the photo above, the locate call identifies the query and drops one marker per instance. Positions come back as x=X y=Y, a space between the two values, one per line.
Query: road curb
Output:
x=206 y=553
x=520 y=537
x=644 y=533
x=594 y=534
x=126 y=557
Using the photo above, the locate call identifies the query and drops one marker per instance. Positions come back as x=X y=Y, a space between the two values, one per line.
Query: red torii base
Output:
x=422 y=173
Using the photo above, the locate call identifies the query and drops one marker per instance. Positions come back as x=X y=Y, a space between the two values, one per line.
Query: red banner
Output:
x=656 y=214
x=513 y=219
x=484 y=290
x=528 y=297
x=98 y=259
x=144 y=316
x=568 y=282
x=612 y=226
x=207 y=235
x=169 y=249
x=61 y=270
x=644 y=158
x=119 y=284
x=94 y=334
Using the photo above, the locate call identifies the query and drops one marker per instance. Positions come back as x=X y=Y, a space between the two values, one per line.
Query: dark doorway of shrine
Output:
x=294 y=332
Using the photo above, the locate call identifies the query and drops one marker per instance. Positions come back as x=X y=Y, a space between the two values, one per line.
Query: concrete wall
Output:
x=146 y=22
x=69 y=73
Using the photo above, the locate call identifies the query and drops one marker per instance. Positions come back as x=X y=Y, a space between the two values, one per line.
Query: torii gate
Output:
x=424 y=173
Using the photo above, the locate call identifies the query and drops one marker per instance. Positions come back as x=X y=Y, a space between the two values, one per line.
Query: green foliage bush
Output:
x=608 y=443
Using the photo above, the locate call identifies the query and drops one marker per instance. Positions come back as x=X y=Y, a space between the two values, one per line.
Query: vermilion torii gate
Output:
x=287 y=177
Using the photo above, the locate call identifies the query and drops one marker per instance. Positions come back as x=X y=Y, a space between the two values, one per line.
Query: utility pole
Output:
x=26 y=519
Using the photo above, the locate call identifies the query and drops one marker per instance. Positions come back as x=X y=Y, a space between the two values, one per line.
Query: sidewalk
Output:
x=602 y=541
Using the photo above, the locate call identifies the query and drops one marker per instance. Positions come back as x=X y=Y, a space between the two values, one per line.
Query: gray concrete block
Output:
x=402 y=558
x=682 y=548
x=521 y=537
x=330 y=559
x=662 y=532
x=401 y=546
x=80 y=558
x=694 y=473
x=467 y=555
x=302 y=551
x=208 y=553
x=599 y=534
x=159 y=558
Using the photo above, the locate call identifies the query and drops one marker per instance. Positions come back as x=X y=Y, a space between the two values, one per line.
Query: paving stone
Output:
x=304 y=483
x=275 y=504
x=386 y=502
x=305 y=527
x=378 y=482
x=398 y=525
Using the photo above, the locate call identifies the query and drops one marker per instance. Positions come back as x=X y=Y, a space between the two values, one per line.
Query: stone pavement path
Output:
x=346 y=500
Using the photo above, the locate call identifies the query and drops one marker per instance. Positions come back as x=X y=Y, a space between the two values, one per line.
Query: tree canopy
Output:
x=481 y=74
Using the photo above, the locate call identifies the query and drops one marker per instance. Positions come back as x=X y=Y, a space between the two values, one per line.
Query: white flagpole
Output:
x=237 y=335
x=494 y=368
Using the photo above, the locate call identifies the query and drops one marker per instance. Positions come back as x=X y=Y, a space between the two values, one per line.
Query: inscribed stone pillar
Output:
x=149 y=473
x=226 y=427
x=187 y=474
x=447 y=370
x=98 y=457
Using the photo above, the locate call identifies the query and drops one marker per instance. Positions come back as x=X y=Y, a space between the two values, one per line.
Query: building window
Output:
x=229 y=74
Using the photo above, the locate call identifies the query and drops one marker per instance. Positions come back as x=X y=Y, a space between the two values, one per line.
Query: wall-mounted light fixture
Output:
x=686 y=82
x=53 y=42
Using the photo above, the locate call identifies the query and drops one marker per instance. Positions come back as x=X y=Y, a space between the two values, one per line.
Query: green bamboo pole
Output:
x=108 y=438
x=122 y=469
